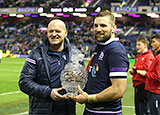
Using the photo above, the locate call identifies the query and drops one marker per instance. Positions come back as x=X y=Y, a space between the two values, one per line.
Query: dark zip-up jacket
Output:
x=35 y=82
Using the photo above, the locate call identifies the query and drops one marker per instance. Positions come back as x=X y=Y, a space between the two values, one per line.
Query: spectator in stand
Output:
x=153 y=78
x=142 y=62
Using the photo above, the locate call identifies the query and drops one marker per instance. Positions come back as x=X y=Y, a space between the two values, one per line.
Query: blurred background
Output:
x=23 y=26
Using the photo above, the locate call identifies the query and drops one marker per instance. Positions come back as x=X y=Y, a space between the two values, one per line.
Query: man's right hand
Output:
x=56 y=96
x=132 y=71
x=81 y=98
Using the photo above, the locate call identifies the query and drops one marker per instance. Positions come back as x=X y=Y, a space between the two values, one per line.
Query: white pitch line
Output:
x=9 y=93
x=4 y=70
x=24 y=113
x=13 y=62
x=129 y=107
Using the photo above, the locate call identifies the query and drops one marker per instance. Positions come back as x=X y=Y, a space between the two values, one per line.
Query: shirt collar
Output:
x=58 y=53
x=158 y=52
x=144 y=52
x=108 y=41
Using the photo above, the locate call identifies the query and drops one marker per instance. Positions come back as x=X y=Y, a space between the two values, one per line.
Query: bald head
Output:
x=56 y=34
x=57 y=22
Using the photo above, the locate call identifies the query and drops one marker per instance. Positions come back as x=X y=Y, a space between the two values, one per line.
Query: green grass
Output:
x=17 y=102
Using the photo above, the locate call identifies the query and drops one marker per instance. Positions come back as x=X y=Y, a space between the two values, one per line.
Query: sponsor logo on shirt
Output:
x=93 y=70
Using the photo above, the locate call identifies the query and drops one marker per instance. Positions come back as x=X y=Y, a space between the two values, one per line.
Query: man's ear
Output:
x=114 y=28
x=66 y=33
x=146 y=45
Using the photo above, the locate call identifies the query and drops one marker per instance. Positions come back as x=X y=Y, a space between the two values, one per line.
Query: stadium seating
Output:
x=22 y=35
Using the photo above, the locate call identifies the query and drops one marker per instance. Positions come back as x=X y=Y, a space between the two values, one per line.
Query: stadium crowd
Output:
x=70 y=3
x=40 y=3
x=19 y=37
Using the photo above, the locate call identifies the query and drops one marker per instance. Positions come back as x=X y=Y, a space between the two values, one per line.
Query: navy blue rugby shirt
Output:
x=110 y=61
x=57 y=62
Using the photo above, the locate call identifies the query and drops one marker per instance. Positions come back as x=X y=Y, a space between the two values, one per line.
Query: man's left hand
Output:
x=142 y=72
x=81 y=98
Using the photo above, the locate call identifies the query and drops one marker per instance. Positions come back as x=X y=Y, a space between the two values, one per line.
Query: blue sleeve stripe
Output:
x=31 y=60
x=117 y=69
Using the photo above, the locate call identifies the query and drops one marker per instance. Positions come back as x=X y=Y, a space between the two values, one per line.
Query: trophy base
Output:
x=70 y=94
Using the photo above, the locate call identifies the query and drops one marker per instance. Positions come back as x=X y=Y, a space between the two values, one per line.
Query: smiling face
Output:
x=56 y=32
x=155 y=44
x=103 y=28
x=141 y=47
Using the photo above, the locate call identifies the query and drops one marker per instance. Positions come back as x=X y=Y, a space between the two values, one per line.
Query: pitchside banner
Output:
x=156 y=9
x=125 y=9
x=30 y=10
x=5 y=10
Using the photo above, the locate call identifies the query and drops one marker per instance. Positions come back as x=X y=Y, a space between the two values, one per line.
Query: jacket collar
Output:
x=158 y=52
x=148 y=51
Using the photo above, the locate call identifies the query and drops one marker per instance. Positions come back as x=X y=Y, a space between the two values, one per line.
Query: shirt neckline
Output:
x=108 y=41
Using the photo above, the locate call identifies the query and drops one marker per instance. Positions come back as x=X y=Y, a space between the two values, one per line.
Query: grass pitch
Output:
x=13 y=101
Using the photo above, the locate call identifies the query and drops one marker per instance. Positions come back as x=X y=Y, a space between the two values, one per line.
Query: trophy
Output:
x=74 y=74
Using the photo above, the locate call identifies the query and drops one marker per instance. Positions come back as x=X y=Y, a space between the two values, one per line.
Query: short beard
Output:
x=105 y=38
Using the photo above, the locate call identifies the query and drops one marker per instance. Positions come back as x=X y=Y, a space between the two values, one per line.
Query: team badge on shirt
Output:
x=101 y=56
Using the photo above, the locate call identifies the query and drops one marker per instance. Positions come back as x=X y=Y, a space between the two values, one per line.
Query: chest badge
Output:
x=101 y=56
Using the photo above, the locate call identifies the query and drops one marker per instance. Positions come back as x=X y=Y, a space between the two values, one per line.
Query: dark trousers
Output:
x=141 y=101
x=154 y=103
x=90 y=113
x=64 y=107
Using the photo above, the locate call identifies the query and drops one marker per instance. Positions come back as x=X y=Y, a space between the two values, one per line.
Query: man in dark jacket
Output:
x=40 y=76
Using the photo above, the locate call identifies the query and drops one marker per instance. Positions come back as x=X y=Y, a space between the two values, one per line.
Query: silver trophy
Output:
x=74 y=74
